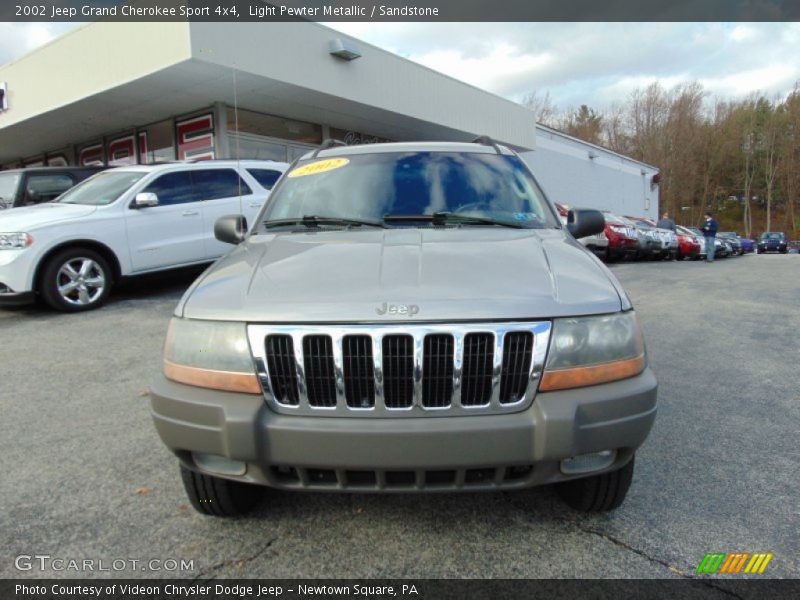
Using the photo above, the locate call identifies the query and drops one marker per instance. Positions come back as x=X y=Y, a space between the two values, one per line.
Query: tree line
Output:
x=739 y=159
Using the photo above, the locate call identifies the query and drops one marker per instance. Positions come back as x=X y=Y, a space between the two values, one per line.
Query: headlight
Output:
x=591 y=350
x=13 y=241
x=210 y=354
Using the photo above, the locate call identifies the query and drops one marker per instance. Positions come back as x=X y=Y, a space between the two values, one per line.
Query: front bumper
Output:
x=16 y=276
x=16 y=298
x=427 y=453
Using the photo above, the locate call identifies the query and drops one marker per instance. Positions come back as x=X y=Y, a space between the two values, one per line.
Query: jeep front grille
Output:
x=399 y=370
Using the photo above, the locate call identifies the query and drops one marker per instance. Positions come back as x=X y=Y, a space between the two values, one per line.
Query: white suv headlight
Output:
x=591 y=350
x=210 y=354
x=14 y=241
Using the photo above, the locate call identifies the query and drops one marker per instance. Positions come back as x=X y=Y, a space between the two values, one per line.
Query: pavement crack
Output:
x=208 y=572
x=623 y=544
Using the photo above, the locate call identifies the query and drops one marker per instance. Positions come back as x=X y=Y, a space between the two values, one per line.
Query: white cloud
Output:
x=743 y=33
x=598 y=63
x=491 y=70
x=771 y=79
x=17 y=39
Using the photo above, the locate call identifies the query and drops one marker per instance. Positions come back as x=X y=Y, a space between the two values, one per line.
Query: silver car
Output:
x=405 y=318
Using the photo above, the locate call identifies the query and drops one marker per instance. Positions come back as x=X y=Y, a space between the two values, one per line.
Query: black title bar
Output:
x=232 y=11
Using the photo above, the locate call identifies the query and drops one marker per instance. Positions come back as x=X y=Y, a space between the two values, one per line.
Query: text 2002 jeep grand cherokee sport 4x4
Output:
x=405 y=317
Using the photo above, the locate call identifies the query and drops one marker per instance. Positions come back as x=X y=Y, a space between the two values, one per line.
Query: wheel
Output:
x=219 y=497
x=76 y=279
x=599 y=492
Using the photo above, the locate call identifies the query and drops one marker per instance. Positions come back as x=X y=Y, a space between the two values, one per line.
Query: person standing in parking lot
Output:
x=709 y=230
x=665 y=222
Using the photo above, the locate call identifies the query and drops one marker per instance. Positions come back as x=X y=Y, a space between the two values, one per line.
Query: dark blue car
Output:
x=773 y=241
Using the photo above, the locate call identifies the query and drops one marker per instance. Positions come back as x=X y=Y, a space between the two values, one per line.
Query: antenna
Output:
x=238 y=153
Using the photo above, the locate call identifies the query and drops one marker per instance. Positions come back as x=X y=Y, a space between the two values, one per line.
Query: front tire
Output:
x=219 y=497
x=76 y=279
x=598 y=493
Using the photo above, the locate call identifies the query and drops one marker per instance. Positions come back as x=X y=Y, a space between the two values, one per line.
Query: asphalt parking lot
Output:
x=85 y=476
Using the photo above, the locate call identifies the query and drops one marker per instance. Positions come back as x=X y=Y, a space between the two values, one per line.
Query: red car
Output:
x=688 y=244
x=622 y=238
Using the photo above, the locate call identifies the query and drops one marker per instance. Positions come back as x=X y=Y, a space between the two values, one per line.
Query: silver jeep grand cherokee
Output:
x=405 y=317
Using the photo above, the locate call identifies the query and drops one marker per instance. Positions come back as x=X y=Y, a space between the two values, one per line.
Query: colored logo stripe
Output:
x=758 y=563
x=714 y=562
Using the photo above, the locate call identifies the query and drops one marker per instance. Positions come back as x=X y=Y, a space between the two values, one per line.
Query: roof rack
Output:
x=487 y=141
x=327 y=143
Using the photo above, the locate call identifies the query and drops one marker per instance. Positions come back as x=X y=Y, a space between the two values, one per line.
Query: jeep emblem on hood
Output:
x=397 y=309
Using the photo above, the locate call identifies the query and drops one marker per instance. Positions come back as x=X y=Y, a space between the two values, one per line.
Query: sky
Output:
x=596 y=64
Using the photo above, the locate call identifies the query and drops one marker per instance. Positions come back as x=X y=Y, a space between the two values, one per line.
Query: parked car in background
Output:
x=701 y=239
x=689 y=245
x=123 y=222
x=723 y=248
x=669 y=239
x=773 y=241
x=623 y=239
x=650 y=245
x=732 y=240
x=34 y=185
x=597 y=243
x=748 y=245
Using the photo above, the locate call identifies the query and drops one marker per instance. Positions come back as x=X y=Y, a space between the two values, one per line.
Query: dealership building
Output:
x=123 y=93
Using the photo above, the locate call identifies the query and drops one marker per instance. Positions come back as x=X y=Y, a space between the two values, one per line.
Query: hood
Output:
x=371 y=275
x=29 y=218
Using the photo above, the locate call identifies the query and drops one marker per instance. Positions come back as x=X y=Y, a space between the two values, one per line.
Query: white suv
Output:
x=122 y=222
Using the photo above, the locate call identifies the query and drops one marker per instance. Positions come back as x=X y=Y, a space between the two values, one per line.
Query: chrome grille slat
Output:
x=358 y=372
x=516 y=366
x=400 y=369
x=437 y=371
x=477 y=369
x=497 y=366
x=319 y=371
x=279 y=361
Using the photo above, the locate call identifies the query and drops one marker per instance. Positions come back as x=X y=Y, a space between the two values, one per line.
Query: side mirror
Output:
x=582 y=222
x=145 y=199
x=230 y=229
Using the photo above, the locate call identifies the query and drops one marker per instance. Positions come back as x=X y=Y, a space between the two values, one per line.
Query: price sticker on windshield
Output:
x=321 y=166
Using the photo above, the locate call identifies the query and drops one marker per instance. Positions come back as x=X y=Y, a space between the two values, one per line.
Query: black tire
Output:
x=599 y=492
x=52 y=275
x=219 y=497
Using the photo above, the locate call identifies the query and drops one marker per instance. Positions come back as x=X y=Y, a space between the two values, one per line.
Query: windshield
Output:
x=101 y=189
x=772 y=236
x=371 y=187
x=8 y=188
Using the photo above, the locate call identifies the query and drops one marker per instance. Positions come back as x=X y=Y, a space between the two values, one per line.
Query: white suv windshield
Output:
x=101 y=189
x=8 y=187
x=371 y=187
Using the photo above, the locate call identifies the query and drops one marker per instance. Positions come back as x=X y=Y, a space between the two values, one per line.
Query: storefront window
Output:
x=271 y=126
x=157 y=142
x=354 y=138
x=121 y=150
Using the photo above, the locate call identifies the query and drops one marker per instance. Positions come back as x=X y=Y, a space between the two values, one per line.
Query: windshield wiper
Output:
x=316 y=221
x=445 y=218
